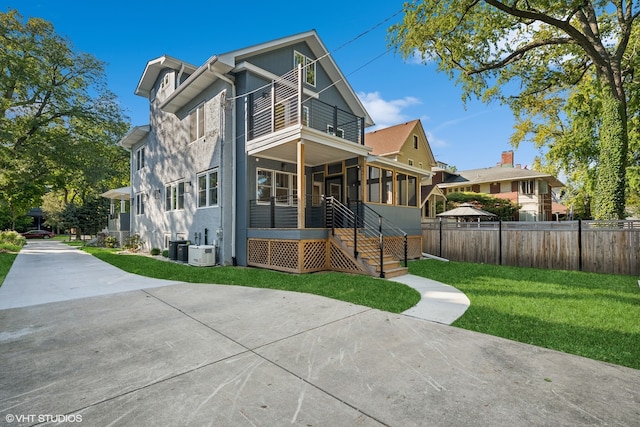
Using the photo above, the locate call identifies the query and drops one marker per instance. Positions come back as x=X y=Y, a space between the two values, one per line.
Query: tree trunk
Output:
x=613 y=147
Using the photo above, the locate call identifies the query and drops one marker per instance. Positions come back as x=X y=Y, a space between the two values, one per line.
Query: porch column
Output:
x=301 y=193
x=122 y=207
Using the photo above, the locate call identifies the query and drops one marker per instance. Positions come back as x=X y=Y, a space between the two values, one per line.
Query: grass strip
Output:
x=362 y=290
x=6 y=261
x=587 y=314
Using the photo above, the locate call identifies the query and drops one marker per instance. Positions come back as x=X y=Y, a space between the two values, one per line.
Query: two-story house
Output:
x=261 y=152
x=407 y=144
x=530 y=189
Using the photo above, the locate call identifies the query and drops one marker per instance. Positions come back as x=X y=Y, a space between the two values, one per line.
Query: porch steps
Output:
x=369 y=254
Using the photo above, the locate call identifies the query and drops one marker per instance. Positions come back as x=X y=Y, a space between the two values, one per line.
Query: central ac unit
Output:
x=202 y=255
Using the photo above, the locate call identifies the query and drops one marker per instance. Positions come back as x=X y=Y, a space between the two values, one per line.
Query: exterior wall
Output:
x=171 y=157
x=277 y=62
x=419 y=155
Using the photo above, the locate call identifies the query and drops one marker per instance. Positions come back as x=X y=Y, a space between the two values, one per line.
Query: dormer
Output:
x=161 y=77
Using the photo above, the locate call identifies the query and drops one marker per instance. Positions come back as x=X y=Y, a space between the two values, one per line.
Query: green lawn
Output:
x=363 y=290
x=592 y=315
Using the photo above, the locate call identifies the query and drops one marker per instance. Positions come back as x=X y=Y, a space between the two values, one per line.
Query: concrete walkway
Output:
x=192 y=354
x=439 y=303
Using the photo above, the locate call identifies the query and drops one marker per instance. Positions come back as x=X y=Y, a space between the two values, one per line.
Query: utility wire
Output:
x=331 y=52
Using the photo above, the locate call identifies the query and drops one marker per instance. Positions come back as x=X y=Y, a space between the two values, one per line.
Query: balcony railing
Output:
x=282 y=212
x=280 y=105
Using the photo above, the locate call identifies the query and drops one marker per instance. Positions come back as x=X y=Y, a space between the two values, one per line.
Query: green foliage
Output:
x=133 y=243
x=11 y=241
x=59 y=125
x=110 y=242
x=155 y=251
x=87 y=218
x=551 y=62
x=505 y=209
x=610 y=188
x=588 y=314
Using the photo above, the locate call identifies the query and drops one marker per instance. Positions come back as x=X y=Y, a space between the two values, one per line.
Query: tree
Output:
x=504 y=209
x=550 y=50
x=59 y=124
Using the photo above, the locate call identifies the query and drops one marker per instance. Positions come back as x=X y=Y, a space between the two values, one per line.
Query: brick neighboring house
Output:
x=532 y=190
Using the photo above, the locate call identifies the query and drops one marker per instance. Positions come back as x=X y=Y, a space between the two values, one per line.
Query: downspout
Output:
x=233 y=162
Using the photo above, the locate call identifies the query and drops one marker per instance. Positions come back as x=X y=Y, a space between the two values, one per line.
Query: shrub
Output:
x=155 y=251
x=11 y=241
x=165 y=253
x=133 y=243
x=110 y=242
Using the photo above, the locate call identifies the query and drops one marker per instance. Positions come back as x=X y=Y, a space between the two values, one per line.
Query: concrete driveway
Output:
x=189 y=354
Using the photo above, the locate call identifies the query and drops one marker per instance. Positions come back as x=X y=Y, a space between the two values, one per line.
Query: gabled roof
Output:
x=389 y=141
x=153 y=69
x=497 y=174
x=221 y=65
x=319 y=50
x=135 y=135
x=427 y=191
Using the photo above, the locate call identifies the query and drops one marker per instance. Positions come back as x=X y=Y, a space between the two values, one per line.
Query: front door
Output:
x=334 y=187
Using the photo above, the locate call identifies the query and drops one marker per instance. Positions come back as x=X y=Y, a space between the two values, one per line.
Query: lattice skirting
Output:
x=394 y=246
x=294 y=256
x=306 y=256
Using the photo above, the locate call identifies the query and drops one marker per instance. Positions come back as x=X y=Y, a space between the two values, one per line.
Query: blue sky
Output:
x=127 y=34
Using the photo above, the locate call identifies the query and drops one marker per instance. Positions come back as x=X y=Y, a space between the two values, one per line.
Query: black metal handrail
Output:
x=369 y=227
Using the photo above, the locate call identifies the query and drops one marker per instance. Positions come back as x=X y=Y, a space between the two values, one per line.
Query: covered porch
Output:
x=119 y=220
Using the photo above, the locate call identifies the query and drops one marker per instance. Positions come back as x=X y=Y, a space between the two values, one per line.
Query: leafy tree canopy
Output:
x=59 y=124
x=556 y=64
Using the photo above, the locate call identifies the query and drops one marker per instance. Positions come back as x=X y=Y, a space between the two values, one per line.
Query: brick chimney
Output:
x=507 y=158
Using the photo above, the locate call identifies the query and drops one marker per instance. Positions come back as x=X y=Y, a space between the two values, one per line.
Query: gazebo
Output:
x=467 y=212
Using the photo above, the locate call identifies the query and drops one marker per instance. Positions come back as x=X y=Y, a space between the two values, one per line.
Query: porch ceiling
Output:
x=319 y=147
x=118 y=193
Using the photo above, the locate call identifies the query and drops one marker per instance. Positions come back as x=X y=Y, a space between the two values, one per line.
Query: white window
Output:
x=208 y=189
x=527 y=187
x=415 y=142
x=308 y=67
x=281 y=185
x=174 y=196
x=139 y=158
x=139 y=204
x=410 y=162
x=339 y=133
x=196 y=123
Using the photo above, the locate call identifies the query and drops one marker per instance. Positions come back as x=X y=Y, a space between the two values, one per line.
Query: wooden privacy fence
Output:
x=611 y=247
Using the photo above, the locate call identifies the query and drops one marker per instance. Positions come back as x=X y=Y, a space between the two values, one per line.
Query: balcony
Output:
x=279 y=116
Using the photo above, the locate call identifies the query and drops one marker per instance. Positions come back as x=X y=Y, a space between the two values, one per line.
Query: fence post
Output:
x=440 y=237
x=579 y=244
x=500 y=242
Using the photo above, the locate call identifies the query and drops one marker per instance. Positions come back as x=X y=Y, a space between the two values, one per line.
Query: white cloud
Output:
x=434 y=141
x=384 y=112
